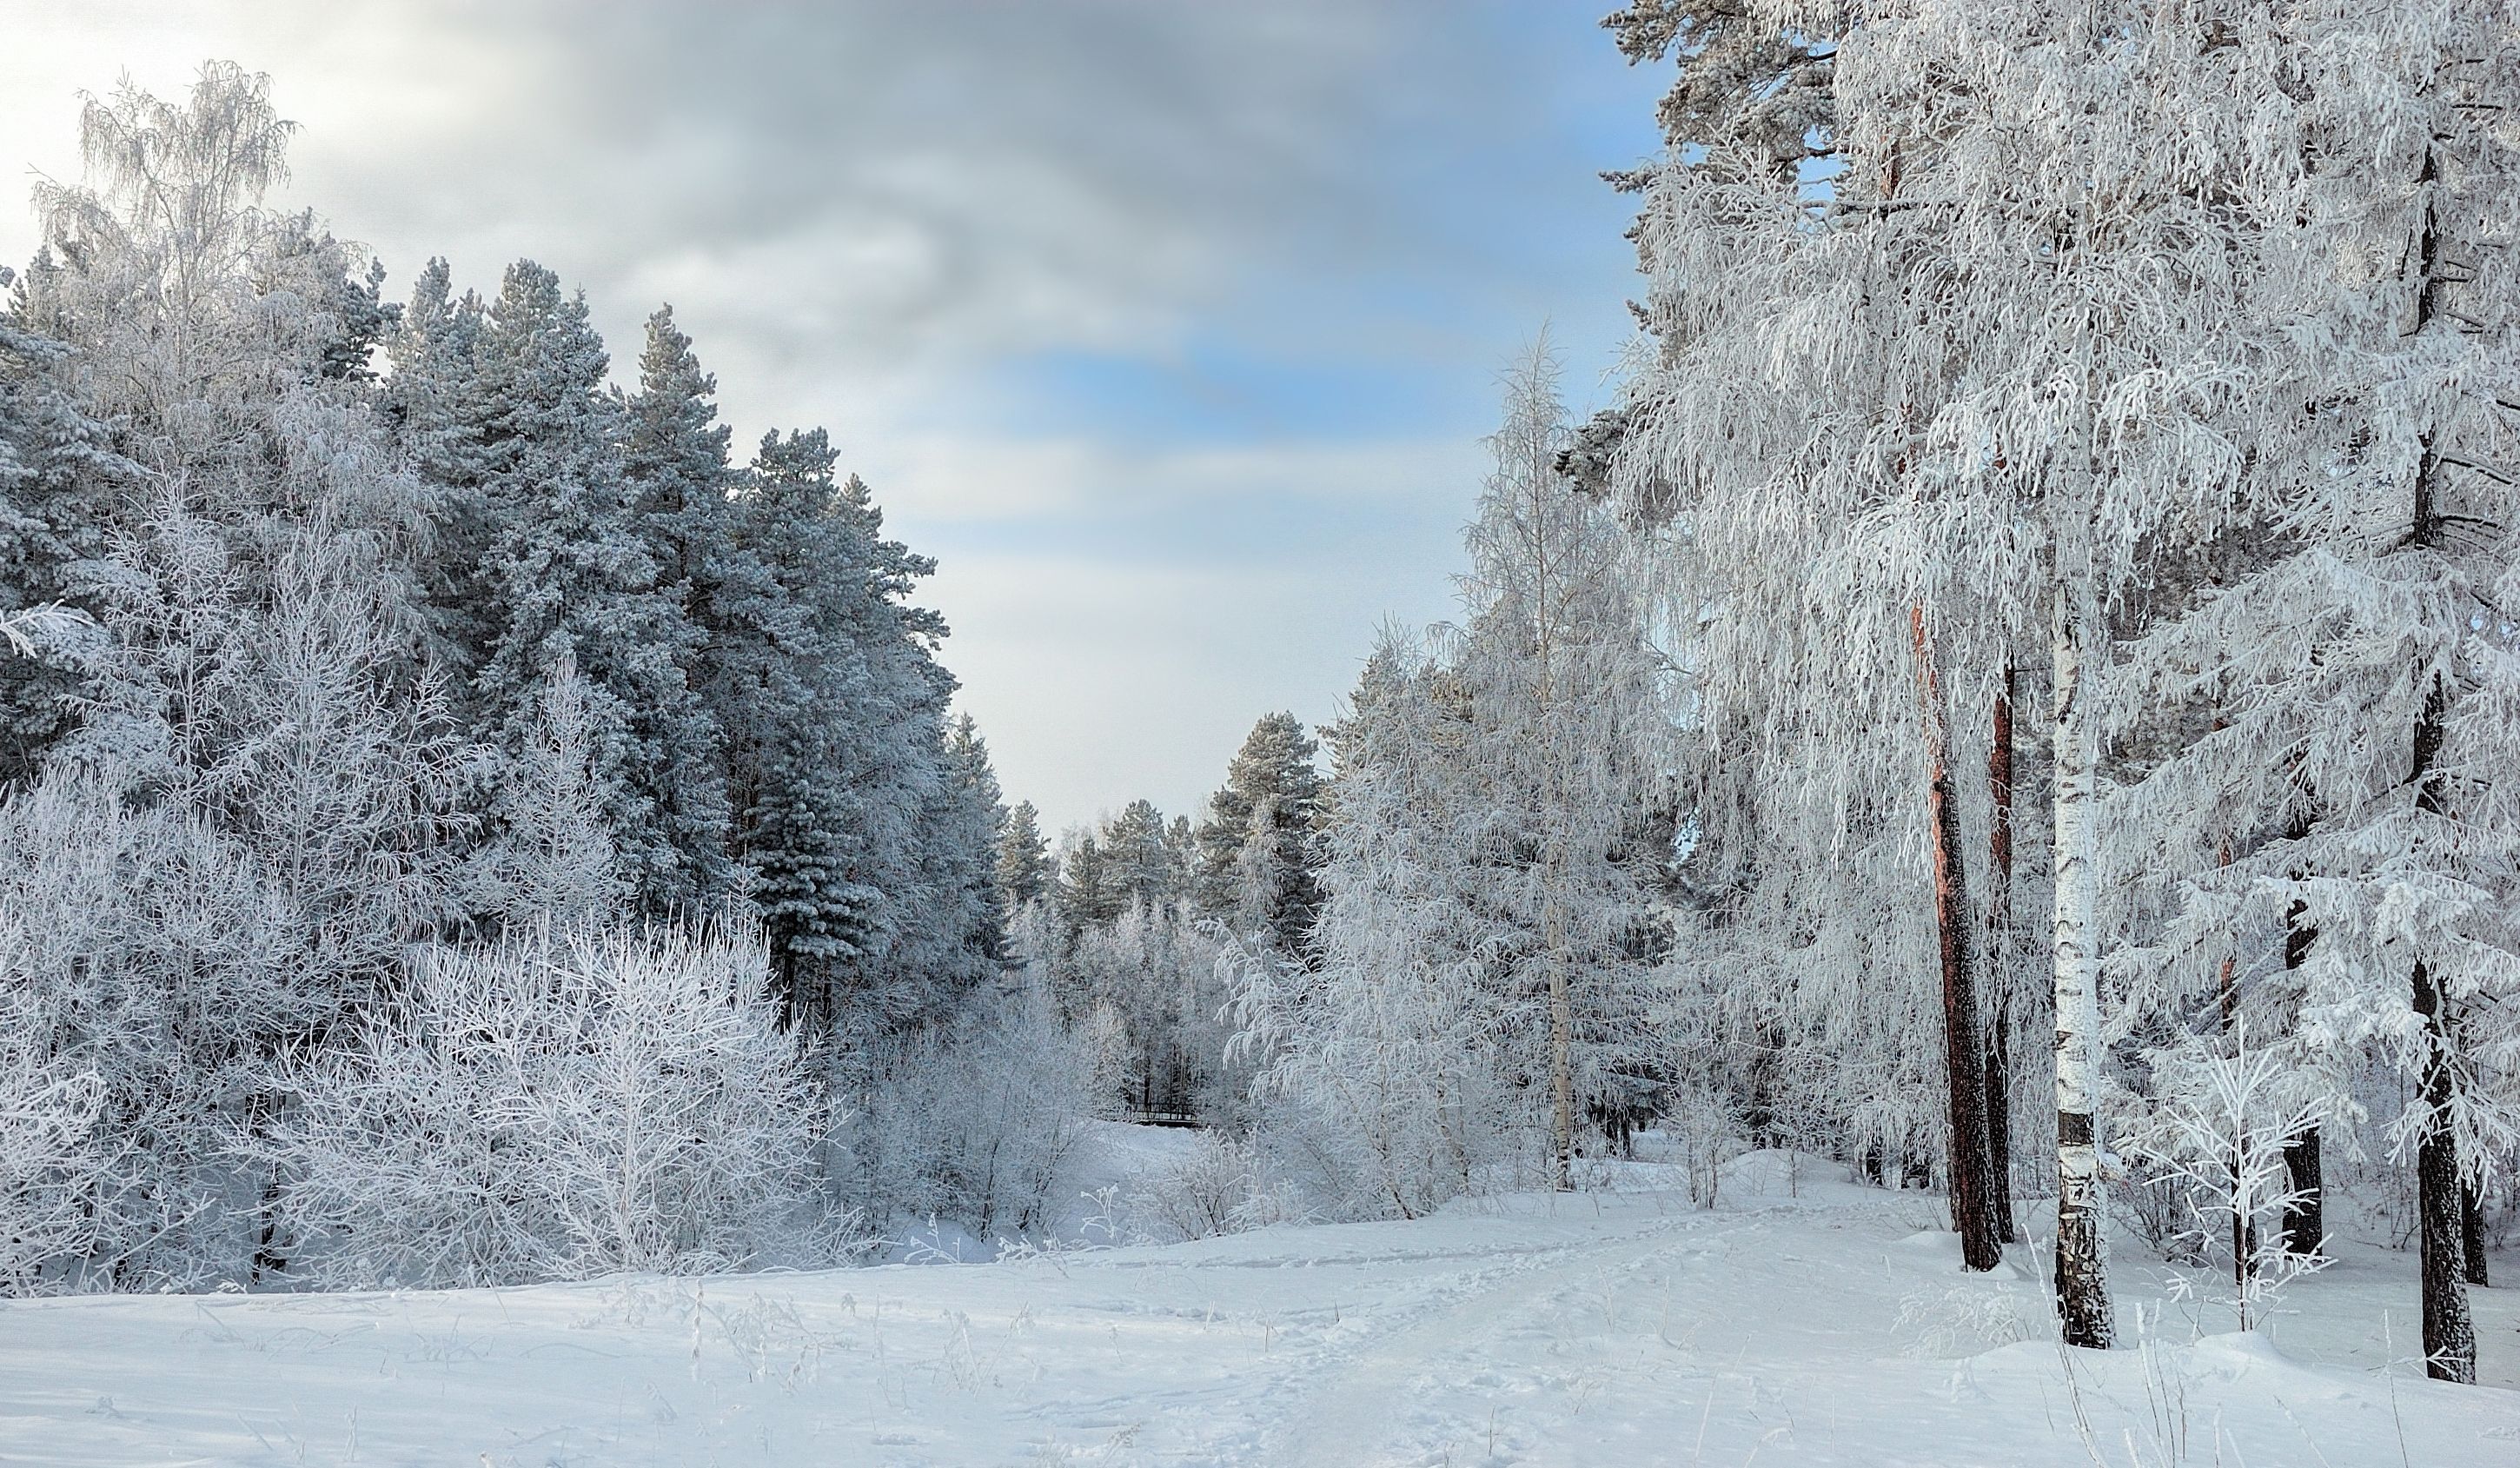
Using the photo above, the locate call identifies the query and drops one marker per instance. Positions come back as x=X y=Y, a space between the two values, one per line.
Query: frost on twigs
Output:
x=557 y=1106
x=2220 y=1141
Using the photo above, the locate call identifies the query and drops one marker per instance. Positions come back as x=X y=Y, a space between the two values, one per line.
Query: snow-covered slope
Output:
x=1802 y=1321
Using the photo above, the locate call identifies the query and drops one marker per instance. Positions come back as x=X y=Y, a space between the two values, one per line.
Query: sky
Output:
x=1171 y=330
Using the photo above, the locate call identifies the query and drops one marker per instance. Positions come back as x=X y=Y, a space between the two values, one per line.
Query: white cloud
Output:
x=941 y=479
x=1096 y=681
x=873 y=216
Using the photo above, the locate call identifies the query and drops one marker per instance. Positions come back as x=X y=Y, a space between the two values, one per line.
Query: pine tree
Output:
x=1137 y=862
x=675 y=459
x=565 y=574
x=839 y=751
x=1084 y=892
x=963 y=910
x=1256 y=855
x=58 y=476
x=1023 y=857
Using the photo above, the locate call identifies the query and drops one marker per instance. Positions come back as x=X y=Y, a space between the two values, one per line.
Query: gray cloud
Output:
x=865 y=212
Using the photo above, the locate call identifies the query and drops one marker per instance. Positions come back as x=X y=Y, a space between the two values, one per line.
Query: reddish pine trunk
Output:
x=1963 y=1055
x=1999 y=947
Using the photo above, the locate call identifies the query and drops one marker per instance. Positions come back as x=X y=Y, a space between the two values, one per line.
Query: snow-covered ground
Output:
x=1802 y=1321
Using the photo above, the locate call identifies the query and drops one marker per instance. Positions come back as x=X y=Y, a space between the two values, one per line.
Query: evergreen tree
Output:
x=567 y=574
x=675 y=458
x=1256 y=855
x=1084 y=891
x=1137 y=862
x=839 y=752
x=1023 y=857
x=58 y=476
x=961 y=914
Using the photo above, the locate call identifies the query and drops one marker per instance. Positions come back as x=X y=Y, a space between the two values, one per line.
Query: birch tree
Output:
x=1561 y=683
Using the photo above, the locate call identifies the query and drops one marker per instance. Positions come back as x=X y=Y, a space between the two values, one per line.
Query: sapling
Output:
x=2221 y=1140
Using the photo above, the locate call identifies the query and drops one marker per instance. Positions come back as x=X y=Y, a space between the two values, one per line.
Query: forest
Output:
x=2011 y=699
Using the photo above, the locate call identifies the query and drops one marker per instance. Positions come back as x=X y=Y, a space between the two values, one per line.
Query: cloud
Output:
x=1150 y=665
x=941 y=478
x=1186 y=309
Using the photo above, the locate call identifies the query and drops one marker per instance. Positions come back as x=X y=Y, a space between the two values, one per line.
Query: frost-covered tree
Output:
x=1131 y=965
x=2023 y=312
x=1484 y=960
x=255 y=693
x=674 y=455
x=838 y=749
x=2356 y=657
x=1563 y=697
x=960 y=936
x=1384 y=1067
x=567 y=570
x=457 y=660
x=1023 y=857
x=58 y=477
x=1082 y=888
x=1830 y=709
x=195 y=310
x=553 y=864
x=1256 y=856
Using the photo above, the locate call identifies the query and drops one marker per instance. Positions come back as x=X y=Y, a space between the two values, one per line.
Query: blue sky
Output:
x=1171 y=330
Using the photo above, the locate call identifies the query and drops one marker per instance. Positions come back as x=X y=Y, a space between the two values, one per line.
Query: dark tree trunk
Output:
x=2305 y=1222
x=1999 y=968
x=2471 y=1233
x=1963 y=1051
x=2449 y=1334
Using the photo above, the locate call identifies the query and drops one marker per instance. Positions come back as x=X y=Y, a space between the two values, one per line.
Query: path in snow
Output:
x=1803 y=1322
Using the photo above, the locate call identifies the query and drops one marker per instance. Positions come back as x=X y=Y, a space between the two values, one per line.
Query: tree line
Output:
x=459 y=820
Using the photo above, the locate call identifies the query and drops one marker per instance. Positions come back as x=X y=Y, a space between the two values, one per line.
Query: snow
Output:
x=1804 y=1320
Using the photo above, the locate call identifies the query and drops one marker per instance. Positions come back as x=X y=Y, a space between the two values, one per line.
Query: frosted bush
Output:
x=978 y=1125
x=1216 y=1190
x=558 y=1107
x=55 y=1167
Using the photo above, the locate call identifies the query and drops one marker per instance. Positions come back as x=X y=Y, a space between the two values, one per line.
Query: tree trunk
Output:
x=2082 y=1277
x=2449 y=1335
x=2471 y=1233
x=1999 y=968
x=1963 y=1051
x=2304 y=1221
x=2244 y=1228
x=1561 y=1046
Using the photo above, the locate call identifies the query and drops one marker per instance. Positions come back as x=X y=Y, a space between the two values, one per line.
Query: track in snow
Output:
x=1833 y=1327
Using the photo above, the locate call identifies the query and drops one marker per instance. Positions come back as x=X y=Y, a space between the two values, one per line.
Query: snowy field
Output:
x=1802 y=1321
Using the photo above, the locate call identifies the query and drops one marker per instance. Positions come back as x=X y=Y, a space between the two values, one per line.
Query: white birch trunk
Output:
x=2082 y=1282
